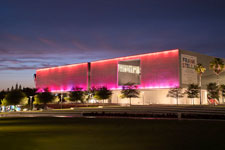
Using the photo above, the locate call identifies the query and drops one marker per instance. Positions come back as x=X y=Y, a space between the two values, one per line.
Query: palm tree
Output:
x=217 y=65
x=200 y=69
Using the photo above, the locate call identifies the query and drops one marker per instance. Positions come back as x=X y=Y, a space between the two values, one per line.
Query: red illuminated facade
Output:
x=62 y=78
x=158 y=70
x=153 y=73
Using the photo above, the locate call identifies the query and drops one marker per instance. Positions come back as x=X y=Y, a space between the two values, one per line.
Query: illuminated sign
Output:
x=129 y=69
x=188 y=63
x=129 y=72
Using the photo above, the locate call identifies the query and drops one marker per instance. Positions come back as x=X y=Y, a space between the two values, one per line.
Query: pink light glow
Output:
x=158 y=70
x=136 y=56
x=63 y=78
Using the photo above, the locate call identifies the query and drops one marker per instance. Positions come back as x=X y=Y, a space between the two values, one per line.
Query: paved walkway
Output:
x=153 y=110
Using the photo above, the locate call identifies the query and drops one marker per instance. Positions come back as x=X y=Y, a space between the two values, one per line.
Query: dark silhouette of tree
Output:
x=217 y=65
x=130 y=91
x=45 y=97
x=175 y=93
x=193 y=91
x=12 y=88
x=16 y=86
x=76 y=95
x=14 y=97
x=30 y=92
x=2 y=96
x=90 y=93
x=103 y=93
x=213 y=91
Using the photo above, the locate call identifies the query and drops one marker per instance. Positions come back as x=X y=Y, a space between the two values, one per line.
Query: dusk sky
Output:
x=45 y=33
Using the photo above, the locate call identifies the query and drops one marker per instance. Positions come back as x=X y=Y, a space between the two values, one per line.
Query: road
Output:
x=163 y=111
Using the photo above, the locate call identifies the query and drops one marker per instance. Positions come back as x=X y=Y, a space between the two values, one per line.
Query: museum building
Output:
x=153 y=74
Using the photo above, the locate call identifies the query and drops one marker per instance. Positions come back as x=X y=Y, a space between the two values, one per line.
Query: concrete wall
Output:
x=209 y=75
x=156 y=96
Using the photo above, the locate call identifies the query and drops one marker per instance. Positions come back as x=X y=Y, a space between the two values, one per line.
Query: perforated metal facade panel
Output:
x=158 y=70
x=63 y=78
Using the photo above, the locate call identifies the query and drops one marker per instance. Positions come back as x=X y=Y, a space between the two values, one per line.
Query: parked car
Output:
x=213 y=101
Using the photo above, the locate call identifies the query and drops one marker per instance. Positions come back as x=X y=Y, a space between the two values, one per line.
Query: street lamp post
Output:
x=61 y=99
x=143 y=97
x=31 y=102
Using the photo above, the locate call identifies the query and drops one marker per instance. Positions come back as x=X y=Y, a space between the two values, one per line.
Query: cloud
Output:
x=79 y=45
x=17 y=68
x=49 y=42
x=24 y=66
x=3 y=51
x=14 y=37
x=32 y=62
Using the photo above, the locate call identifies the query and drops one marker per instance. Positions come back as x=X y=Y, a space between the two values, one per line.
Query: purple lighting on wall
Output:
x=63 y=78
x=158 y=70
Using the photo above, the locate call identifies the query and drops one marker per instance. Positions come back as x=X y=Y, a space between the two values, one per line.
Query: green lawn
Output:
x=109 y=134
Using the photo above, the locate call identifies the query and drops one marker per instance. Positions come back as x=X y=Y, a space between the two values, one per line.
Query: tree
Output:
x=45 y=97
x=217 y=65
x=222 y=89
x=30 y=92
x=90 y=93
x=213 y=91
x=76 y=95
x=15 y=97
x=200 y=70
x=175 y=93
x=12 y=88
x=130 y=91
x=103 y=93
x=20 y=87
x=193 y=91
x=2 y=96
